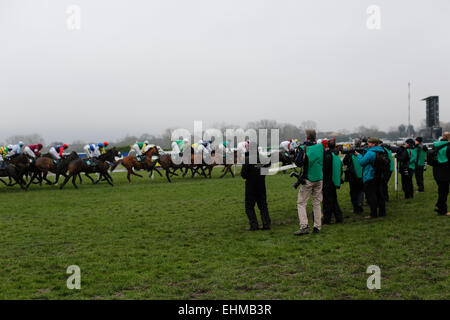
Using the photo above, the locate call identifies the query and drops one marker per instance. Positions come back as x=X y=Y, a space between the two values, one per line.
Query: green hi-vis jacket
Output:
x=442 y=153
x=337 y=170
x=412 y=158
x=314 y=154
x=357 y=167
x=421 y=156
x=389 y=152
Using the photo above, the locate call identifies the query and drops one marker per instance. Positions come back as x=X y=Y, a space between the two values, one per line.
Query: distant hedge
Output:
x=123 y=149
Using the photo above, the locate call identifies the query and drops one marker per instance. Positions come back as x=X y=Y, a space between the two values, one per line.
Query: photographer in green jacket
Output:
x=421 y=151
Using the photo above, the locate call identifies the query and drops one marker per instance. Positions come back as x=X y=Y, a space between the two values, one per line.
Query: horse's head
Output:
x=152 y=150
x=115 y=152
x=73 y=155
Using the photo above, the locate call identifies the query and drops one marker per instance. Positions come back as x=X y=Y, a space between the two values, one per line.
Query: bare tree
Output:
x=26 y=139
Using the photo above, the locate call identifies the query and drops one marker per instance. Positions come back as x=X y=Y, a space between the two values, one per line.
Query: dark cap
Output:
x=419 y=139
x=373 y=140
x=410 y=142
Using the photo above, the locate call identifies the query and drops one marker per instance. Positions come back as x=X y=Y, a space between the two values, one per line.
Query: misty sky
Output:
x=143 y=66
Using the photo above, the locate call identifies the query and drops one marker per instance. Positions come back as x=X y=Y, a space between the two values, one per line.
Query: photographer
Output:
x=255 y=190
x=373 y=184
x=332 y=173
x=353 y=175
x=420 y=163
x=310 y=156
x=407 y=155
x=388 y=174
x=438 y=157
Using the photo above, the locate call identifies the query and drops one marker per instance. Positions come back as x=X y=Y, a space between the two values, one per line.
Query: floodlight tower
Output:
x=408 y=130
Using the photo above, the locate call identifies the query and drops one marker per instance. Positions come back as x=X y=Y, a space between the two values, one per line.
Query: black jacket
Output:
x=441 y=171
x=328 y=166
x=402 y=155
x=252 y=173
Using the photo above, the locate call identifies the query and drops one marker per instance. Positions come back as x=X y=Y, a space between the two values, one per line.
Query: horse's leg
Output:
x=99 y=178
x=185 y=172
x=160 y=174
x=32 y=178
x=65 y=181
x=22 y=183
x=167 y=175
x=56 y=178
x=90 y=178
x=134 y=173
x=10 y=182
x=107 y=177
x=45 y=178
x=224 y=170
x=203 y=172
x=74 y=179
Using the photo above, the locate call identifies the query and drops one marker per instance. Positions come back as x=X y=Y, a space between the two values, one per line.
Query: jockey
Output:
x=204 y=146
x=4 y=152
x=139 y=147
x=102 y=147
x=92 y=150
x=3 y=156
x=289 y=146
x=243 y=146
x=16 y=149
x=178 y=146
x=57 y=151
x=224 y=148
x=33 y=150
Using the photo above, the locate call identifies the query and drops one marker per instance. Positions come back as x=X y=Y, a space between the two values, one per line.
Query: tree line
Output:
x=286 y=131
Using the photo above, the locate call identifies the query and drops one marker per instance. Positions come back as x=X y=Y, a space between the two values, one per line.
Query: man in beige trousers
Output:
x=311 y=157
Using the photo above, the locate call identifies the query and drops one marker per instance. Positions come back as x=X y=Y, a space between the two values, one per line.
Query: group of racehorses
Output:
x=24 y=171
x=166 y=162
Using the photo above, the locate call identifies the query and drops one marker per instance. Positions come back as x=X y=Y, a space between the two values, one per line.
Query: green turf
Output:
x=187 y=240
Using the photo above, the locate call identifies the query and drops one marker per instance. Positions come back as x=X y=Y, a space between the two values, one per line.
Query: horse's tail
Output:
x=115 y=164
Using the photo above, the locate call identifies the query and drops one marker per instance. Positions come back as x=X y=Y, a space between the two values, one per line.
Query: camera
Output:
x=300 y=179
x=352 y=150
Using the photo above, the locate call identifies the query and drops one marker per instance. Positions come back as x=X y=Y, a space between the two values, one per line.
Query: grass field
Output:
x=187 y=240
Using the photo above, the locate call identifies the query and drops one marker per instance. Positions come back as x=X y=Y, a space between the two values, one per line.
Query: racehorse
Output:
x=193 y=166
x=228 y=166
x=79 y=165
x=166 y=162
x=45 y=164
x=14 y=170
x=131 y=162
